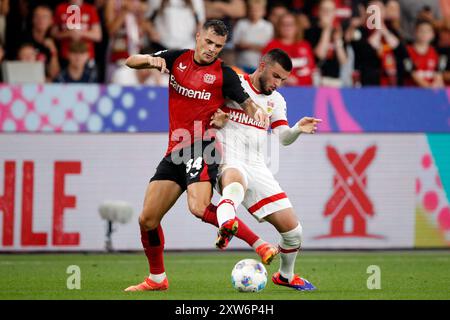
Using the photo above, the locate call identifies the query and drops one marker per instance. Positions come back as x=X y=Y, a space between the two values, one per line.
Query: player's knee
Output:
x=234 y=191
x=292 y=239
x=148 y=222
x=198 y=208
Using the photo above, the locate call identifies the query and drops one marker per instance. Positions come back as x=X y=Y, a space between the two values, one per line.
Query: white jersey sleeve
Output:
x=279 y=112
x=279 y=123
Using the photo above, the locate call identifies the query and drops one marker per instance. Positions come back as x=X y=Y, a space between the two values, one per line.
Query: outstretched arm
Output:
x=145 y=61
x=289 y=135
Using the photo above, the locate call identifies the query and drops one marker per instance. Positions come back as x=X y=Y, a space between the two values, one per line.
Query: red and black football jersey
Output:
x=196 y=91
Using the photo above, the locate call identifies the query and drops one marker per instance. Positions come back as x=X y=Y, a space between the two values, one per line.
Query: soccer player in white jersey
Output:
x=244 y=177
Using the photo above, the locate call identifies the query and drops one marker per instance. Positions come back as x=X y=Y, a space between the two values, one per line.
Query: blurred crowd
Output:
x=338 y=43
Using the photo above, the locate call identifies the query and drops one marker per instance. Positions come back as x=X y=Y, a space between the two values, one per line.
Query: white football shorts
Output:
x=264 y=195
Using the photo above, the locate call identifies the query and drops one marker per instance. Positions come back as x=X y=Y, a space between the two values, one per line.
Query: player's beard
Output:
x=263 y=85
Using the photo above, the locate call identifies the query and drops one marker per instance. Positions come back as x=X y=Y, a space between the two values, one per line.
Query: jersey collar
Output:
x=247 y=77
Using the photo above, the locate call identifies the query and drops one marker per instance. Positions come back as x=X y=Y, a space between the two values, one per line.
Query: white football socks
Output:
x=225 y=210
x=289 y=246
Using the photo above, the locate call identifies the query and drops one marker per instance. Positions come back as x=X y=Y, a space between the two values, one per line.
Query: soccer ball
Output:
x=249 y=275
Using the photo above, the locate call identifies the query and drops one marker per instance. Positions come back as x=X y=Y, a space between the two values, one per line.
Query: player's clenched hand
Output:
x=308 y=124
x=158 y=63
x=219 y=119
x=256 y=112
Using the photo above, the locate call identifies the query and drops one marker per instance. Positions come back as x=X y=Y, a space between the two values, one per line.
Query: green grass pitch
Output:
x=206 y=275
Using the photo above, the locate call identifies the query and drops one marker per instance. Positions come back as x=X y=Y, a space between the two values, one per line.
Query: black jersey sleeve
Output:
x=170 y=56
x=231 y=87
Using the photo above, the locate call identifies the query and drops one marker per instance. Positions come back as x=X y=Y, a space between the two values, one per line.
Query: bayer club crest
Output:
x=209 y=78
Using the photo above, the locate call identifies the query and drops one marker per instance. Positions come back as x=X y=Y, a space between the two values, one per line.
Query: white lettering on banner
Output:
x=119 y=166
x=196 y=94
x=61 y=201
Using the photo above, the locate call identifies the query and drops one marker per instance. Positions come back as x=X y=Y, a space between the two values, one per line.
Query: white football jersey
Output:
x=244 y=139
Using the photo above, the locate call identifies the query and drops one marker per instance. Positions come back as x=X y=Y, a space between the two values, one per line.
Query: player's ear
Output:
x=261 y=66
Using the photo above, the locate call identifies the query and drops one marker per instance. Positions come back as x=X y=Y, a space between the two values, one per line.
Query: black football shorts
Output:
x=198 y=162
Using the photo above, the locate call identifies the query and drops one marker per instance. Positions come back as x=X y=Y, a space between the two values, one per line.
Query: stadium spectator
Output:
x=378 y=52
x=251 y=35
x=288 y=38
x=393 y=17
x=423 y=63
x=39 y=37
x=66 y=29
x=277 y=10
x=278 y=7
x=226 y=10
x=80 y=68
x=27 y=53
x=126 y=25
x=4 y=9
x=411 y=10
x=177 y=21
x=308 y=10
x=326 y=38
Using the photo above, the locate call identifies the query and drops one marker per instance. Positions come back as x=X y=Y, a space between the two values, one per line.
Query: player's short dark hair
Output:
x=279 y=56
x=218 y=27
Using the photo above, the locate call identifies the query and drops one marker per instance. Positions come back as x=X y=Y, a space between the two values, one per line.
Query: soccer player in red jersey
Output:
x=199 y=83
x=423 y=61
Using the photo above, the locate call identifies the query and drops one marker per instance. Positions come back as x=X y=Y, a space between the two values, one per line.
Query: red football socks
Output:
x=244 y=232
x=153 y=243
